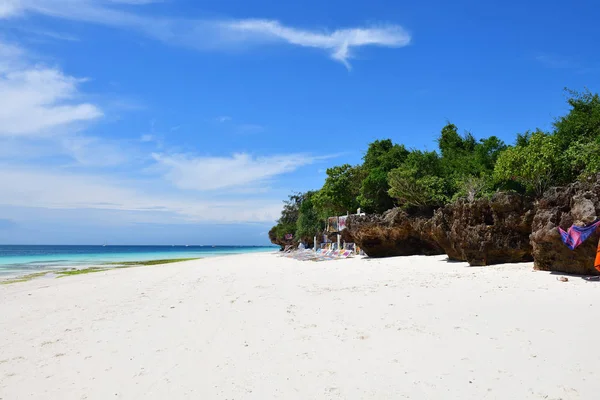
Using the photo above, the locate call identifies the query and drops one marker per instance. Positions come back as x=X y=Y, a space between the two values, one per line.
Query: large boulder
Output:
x=394 y=233
x=575 y=204
x=485 y=231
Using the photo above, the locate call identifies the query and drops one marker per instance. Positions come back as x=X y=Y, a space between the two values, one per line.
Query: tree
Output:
x=309 y=223
x=418 y=181
x=578 y=134
x=287 y=223
x=291 y=208
x=486 y=154
x=381 y=157
x=584 y=158
x=414 y=191
x=582 y=123
x=537 y=162
x=472 y=187
x=340 y=191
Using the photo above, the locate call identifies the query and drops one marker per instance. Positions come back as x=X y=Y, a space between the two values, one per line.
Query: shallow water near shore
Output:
x=22 y=259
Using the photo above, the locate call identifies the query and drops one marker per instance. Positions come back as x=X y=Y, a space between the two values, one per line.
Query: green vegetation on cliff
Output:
x=462 y=167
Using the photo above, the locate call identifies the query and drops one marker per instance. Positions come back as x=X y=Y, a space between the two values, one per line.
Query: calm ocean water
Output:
x=16 y=259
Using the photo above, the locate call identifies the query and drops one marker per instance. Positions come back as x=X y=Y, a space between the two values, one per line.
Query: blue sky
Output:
x=179 y=121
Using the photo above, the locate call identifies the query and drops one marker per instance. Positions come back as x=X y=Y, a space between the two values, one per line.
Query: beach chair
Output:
x=346 y=254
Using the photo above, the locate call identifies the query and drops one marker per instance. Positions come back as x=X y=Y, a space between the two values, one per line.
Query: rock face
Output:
x=485 y=231
x=394 y=233
x=281 y=242
x=575 y=204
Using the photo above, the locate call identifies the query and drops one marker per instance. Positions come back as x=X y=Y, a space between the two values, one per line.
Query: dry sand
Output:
x=264 y=327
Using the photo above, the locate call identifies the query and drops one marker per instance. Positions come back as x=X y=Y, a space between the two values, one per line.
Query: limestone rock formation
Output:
x=575 y=204
x=394 y=233
x=281 y=242
x=485 y=231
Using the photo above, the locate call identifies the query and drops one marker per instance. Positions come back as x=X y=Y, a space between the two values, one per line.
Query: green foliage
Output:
x=279 y=231
x=374 y=197
x=584 y=158
x=381 y=157
x=340 y=192
x=291 y=208
x=289 y=216
x=413 y=190
x=486 y=154
x=536 y=163
x=582 y=123
x=310 y=223
x=418 y=182
x=425 y=162
x=473 y=187
x=427 y=179
x=463 y=156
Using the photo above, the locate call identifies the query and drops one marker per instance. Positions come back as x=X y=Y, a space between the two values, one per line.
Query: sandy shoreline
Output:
x=259 y=326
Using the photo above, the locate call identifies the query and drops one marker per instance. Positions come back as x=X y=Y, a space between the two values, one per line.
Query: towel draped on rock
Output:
x=576 y=235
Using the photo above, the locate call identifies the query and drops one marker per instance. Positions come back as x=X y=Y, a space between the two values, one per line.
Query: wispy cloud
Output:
x=90 y=151
x=338 y=43
x=35 y=98
x=206 y=34
x=239 y=171
x=55 y=189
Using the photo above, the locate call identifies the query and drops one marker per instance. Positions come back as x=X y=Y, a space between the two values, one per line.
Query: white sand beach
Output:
x=259 y=326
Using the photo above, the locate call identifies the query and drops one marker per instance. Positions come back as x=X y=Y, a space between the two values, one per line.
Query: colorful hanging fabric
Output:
x=342 y=223
x=332 y=224
x=289 y=236
x=576 y=235
x=597 y=262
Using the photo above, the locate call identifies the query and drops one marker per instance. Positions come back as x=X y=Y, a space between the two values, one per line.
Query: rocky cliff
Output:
x=485 y=231
x=575 y=204
x=507 y=228
x=394 y=233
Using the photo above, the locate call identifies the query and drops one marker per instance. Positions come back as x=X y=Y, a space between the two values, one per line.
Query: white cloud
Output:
x=223 y=119
x=206 y=34
x=35 y=98
x=339 y=43
x=239 y=171
x=55 y=189
x=92 y=151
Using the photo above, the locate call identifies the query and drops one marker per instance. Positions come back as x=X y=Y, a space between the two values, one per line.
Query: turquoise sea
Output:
x=20 y=259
